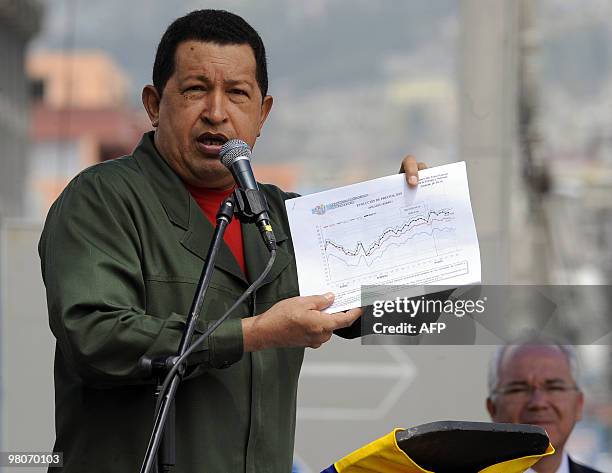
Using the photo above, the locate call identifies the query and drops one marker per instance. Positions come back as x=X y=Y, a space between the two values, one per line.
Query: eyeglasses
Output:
x=524 y=392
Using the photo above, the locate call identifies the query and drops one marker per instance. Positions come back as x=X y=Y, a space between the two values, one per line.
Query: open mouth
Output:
x=211 y=143
x=212 y=139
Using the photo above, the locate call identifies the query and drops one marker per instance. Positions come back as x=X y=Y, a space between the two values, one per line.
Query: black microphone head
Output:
x=232 y=150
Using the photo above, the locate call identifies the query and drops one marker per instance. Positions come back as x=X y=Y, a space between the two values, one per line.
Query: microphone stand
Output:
x=165 y=413
x=250 y=206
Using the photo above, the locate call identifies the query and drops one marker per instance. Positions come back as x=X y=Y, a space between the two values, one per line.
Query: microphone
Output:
x=236 y=156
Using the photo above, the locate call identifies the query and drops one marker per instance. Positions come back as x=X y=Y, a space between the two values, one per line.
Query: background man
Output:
x=122 y=251
x=535 y=382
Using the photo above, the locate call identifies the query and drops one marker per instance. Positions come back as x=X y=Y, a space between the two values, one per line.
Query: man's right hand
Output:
x=295 y=322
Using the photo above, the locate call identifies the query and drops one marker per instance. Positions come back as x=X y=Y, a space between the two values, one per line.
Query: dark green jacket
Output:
x=122 y=251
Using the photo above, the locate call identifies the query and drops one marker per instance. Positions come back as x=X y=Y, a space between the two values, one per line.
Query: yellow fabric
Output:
x=381 y=456
x=385 y=456
x=518 y=465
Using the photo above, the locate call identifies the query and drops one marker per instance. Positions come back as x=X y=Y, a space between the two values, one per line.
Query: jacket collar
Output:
x=183 y=211
x=167 y=185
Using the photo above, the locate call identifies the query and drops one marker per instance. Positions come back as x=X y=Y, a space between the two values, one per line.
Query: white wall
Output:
x=26 y=345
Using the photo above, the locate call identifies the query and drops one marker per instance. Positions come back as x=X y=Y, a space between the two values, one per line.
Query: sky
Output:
x=309 y=44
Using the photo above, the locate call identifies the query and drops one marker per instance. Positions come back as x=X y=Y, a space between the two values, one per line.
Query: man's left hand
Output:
x=411 y=168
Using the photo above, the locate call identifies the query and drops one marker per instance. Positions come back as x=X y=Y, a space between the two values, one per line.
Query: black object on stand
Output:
x=468 y=447
x=248 y=205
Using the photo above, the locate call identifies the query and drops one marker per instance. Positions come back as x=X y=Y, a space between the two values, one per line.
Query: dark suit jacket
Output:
x=578 y=468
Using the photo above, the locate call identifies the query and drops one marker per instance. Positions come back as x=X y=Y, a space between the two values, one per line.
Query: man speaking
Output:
x=122 y=251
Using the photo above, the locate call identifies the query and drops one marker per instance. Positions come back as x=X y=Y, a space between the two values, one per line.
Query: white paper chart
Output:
x=381 y=232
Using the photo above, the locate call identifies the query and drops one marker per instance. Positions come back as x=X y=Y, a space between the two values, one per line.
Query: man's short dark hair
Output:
x=212 y=26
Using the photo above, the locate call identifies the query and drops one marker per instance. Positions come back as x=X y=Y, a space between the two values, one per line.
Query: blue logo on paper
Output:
x=319 y=209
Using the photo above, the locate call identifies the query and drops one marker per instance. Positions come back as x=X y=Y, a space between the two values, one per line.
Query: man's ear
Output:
x=266 y=106
x=150 y=100
x=491 y=408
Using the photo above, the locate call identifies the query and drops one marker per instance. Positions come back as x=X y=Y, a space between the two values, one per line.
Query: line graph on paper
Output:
x=361 y=247
x=383 y=233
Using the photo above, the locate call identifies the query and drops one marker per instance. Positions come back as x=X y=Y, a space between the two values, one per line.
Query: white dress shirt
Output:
x=563 y=467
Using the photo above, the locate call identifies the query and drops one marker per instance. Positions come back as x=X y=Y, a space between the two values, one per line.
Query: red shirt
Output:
x=209 y=201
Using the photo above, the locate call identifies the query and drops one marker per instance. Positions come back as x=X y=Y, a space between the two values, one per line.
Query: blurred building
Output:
x=19 y=22
x=285 y=176
x=83 y=79
x=80 y=116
